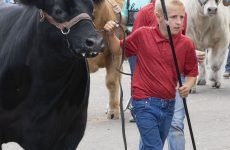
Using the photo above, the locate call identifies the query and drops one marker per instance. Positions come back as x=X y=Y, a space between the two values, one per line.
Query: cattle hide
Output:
x=44 y=80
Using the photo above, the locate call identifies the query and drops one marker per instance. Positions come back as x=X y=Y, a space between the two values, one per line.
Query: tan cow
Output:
x=104 y=13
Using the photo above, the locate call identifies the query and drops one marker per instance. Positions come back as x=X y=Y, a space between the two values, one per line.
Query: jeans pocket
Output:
x=139 y=106
x=170 y=110
x=171 y=105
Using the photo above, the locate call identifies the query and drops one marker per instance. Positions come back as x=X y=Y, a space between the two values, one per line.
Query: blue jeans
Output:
x=176 y=139
x=227 y=66
x=153 y=118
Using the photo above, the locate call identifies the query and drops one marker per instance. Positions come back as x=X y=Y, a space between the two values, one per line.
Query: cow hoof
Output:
x=216 y=85
x=201 y=82
x=113 y=115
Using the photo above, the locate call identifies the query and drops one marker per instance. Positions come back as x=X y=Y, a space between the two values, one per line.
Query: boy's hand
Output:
x=200 y=56
x=110 y=26
x=184 y=91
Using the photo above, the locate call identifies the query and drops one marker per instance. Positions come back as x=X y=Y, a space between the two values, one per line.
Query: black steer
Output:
x=44 y=79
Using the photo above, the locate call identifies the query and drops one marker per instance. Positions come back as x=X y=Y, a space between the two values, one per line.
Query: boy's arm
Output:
x=114 y=42
x=184 y=90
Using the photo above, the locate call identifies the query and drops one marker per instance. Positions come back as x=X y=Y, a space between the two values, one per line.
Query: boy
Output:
x=154 y=79
x=176 y=139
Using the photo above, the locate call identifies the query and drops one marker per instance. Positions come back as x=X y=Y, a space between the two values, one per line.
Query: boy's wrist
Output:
x=112 y=36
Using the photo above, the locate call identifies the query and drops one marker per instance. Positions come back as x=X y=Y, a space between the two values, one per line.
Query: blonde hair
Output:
x=168 y=4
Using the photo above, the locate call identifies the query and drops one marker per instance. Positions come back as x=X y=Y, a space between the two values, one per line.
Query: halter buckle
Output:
x=65 y=31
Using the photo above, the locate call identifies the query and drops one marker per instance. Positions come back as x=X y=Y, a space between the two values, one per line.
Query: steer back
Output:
x=44 y=81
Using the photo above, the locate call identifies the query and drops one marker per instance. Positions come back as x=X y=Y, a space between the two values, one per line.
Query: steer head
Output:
x=210 y=7
x=81 y=34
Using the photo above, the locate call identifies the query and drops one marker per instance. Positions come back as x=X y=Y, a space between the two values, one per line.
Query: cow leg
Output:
x=216 y=59
x=112 y=83
x=202 y=74
x=201 y=77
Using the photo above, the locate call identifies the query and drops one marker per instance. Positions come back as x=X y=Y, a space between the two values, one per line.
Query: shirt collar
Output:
x=160 y=38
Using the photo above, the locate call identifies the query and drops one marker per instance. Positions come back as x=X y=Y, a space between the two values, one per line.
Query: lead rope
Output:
x=117 y=10
x=177 y=71
x=121 y=90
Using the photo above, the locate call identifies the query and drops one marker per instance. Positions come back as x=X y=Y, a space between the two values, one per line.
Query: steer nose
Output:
x=212 y=10
x=95 y=44
x=90 y=42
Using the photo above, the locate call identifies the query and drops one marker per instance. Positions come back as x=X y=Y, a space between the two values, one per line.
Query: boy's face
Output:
x=176 y=19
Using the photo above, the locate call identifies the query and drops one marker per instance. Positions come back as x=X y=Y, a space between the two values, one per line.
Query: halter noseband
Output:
x=65 y=26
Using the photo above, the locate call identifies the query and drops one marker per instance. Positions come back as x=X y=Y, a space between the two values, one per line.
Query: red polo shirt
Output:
x=154 y=74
